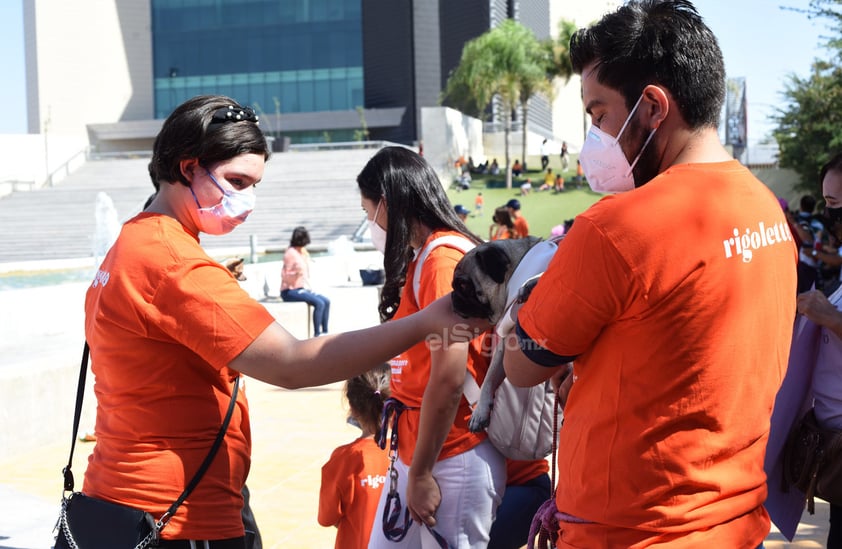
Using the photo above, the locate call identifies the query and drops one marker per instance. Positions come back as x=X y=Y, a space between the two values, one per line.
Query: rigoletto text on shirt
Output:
x=743 y=244
x=373 y=481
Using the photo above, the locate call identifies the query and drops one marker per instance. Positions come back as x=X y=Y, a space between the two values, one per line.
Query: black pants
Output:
x=834 y=536
x=249 y=523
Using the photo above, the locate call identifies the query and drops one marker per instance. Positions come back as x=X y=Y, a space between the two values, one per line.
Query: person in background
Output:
x=521 y=225
x=461 y=211
x=450 y=479
x=565 y=156
x=494 y=168
x=295 y=280
x=170 y=330
x=826 y=311
x=479 y=202
x=678 y=357
x=502 y=228
x=354 y=476
x=517 y=168
x=810 y=231
x=549 y=181
x=545 y=154
x=580 y=173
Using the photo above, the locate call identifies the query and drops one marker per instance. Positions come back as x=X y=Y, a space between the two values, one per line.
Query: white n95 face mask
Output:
x=603 y=161
x=378 y=233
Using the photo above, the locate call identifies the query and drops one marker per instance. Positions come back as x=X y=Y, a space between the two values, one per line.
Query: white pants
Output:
x=472 y=485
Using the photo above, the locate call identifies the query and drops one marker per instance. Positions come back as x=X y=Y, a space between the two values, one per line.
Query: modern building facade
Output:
x=317 y=70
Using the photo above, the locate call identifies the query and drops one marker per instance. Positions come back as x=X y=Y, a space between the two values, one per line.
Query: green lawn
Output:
x=543 y=210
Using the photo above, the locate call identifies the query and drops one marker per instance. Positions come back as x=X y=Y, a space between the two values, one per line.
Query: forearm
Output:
x=278 y=358
x=835 y=324
x=832 y=259
x=439 y=406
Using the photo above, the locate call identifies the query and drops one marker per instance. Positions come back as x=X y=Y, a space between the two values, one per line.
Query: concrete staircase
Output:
x=316 y=189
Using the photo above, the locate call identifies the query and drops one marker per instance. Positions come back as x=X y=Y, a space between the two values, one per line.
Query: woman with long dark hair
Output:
x=450 y=479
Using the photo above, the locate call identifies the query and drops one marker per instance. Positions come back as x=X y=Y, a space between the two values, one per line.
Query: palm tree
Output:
x=560 y=65
x=502 y=63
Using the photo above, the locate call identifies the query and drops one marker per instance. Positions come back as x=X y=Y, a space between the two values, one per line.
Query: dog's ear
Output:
x=493 y=262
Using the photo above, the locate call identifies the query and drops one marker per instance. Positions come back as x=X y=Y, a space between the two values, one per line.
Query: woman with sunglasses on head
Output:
x=170 y=330
x=451 y=480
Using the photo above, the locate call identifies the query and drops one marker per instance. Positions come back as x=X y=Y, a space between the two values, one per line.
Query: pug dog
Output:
x=487 y=281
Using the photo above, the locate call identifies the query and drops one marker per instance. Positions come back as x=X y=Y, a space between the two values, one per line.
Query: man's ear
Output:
x=657 y=105
x=188 y=169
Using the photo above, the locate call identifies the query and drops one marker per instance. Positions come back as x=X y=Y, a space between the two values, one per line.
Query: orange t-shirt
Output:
x=351 y=484
x=163 y=321
x=411 y=369
x=521 y=227
x=519 y=472
x=502 y=233
x=680 y=297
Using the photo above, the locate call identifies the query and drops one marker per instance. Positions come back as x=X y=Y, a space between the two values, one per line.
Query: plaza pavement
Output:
x=293 y=432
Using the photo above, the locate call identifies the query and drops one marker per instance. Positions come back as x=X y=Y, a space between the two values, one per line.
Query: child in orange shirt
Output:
x=353 y=477
x=478 y=203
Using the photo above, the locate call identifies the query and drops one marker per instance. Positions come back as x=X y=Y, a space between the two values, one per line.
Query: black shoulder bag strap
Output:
x=80 y=394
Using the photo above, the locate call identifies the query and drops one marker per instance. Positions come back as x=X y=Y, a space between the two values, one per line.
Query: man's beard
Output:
x=648 y=165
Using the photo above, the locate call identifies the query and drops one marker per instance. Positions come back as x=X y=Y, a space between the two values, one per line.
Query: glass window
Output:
x=306 y=54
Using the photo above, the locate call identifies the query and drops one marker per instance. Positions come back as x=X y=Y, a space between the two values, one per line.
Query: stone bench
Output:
x=295 y=316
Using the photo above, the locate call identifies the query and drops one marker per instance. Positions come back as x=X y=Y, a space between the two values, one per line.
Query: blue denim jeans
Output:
x=321 y=306
x=514 y=516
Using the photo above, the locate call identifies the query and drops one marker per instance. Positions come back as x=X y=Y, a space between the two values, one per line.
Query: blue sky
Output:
x=760 y=42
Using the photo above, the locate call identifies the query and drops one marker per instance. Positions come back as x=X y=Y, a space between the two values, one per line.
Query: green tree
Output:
x=505 y=62
x=362 y=133
x=809 y=124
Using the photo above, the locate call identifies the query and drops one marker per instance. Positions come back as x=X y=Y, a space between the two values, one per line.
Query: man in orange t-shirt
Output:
x=678 y=294
x=521 y=225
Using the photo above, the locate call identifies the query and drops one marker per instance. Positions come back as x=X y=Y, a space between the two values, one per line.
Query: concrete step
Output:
x=316 y=189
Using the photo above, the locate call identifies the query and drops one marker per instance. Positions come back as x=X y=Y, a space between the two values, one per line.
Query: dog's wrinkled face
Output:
x=479 y=282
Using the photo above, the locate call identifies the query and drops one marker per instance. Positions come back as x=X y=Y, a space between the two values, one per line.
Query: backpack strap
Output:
x=470 y=387
x=451 y=240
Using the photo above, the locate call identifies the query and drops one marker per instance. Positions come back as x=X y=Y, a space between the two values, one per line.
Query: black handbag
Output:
x=90 y=523
x=812 y=461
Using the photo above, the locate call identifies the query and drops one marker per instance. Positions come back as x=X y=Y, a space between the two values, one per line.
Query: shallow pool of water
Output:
x=17 y=280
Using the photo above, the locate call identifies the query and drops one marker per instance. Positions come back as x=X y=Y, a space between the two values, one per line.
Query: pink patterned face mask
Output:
x=233 y=208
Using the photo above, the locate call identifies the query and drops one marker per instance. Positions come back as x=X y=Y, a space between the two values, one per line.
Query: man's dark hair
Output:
x=808 y=203
x=660 y=42
x=192 y=131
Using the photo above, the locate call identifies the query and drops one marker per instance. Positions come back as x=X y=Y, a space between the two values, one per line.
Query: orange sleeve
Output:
x=588 y=276
x=336 y=490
